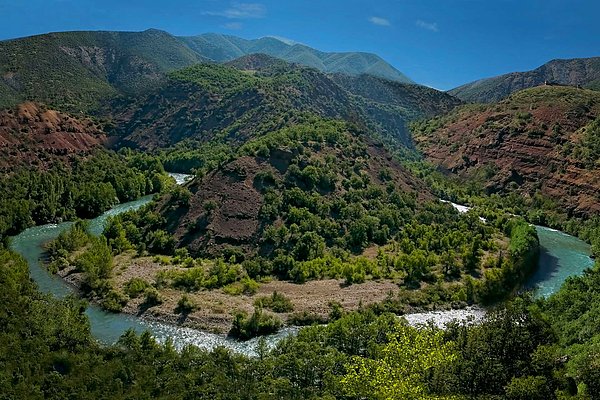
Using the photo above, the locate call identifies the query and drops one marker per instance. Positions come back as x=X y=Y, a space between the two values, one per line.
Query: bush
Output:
x=306 y=318
x=161 y=242
x=247 y=286
x=68 y=241
x=152 y=297
x=114 y=301
x=96 y=264
x=276 y=302
x=185 y=305
x=136 y=286
x=258 y=324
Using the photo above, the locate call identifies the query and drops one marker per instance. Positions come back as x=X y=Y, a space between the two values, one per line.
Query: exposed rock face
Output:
x=525 y=143
x=224 y=210
x=35 y=136
x=125 y=71
x=583 y=72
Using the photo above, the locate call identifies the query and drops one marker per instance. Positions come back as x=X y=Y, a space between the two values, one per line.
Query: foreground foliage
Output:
x=517 y=353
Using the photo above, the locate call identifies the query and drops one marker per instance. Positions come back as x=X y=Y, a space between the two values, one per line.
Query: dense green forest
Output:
x=523 y=351
x=82 y=189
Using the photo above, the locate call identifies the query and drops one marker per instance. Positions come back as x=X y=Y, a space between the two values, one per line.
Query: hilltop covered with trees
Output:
x=317 y=201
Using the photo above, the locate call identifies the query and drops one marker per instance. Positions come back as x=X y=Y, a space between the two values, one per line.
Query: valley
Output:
x=308 y=229
x=108 y=327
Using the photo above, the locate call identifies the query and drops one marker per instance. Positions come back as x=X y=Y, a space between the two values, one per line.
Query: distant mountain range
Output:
x=75 y=71
x=225 y=48
x=584 y=72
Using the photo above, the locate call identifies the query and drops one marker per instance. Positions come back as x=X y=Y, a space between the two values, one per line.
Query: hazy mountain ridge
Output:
x=583 y=72
x=225 y=48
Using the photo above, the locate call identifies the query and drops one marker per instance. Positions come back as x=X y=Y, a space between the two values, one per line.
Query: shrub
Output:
x=161 y=242
x=135 y=286
x=152 y=297
x=306 y=318
x=247 y=286
x=277 y=302
x=185 y=305
x=259 y=323
x=336 y=311
x=114 y=301
x=70 y=240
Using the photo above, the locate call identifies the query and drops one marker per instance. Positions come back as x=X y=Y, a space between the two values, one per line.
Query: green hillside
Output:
x=216 y=101
x=76 y=70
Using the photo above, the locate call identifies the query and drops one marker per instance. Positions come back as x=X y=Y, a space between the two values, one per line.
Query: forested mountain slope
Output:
x=256 y=94
x=76 y=70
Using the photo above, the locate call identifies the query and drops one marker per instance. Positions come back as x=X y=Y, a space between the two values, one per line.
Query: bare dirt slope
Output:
x=540 y=139
x=33 y=135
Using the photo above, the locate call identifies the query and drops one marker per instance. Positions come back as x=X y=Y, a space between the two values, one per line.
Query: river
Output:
x=108 y=327
x=562 y=255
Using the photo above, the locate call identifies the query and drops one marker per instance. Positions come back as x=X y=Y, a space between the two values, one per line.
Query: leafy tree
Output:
x=399 y=369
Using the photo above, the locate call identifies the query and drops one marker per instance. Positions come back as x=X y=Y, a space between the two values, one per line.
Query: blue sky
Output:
x=440 y=43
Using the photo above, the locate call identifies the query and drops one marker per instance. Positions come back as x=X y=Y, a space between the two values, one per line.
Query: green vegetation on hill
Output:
x=76 y=71
x=230 y=104
x=217 y=79
x=222 y=104
x=327 y=195
x=587 y=150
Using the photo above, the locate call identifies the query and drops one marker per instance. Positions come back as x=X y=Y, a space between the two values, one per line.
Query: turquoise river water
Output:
x=562 y=256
